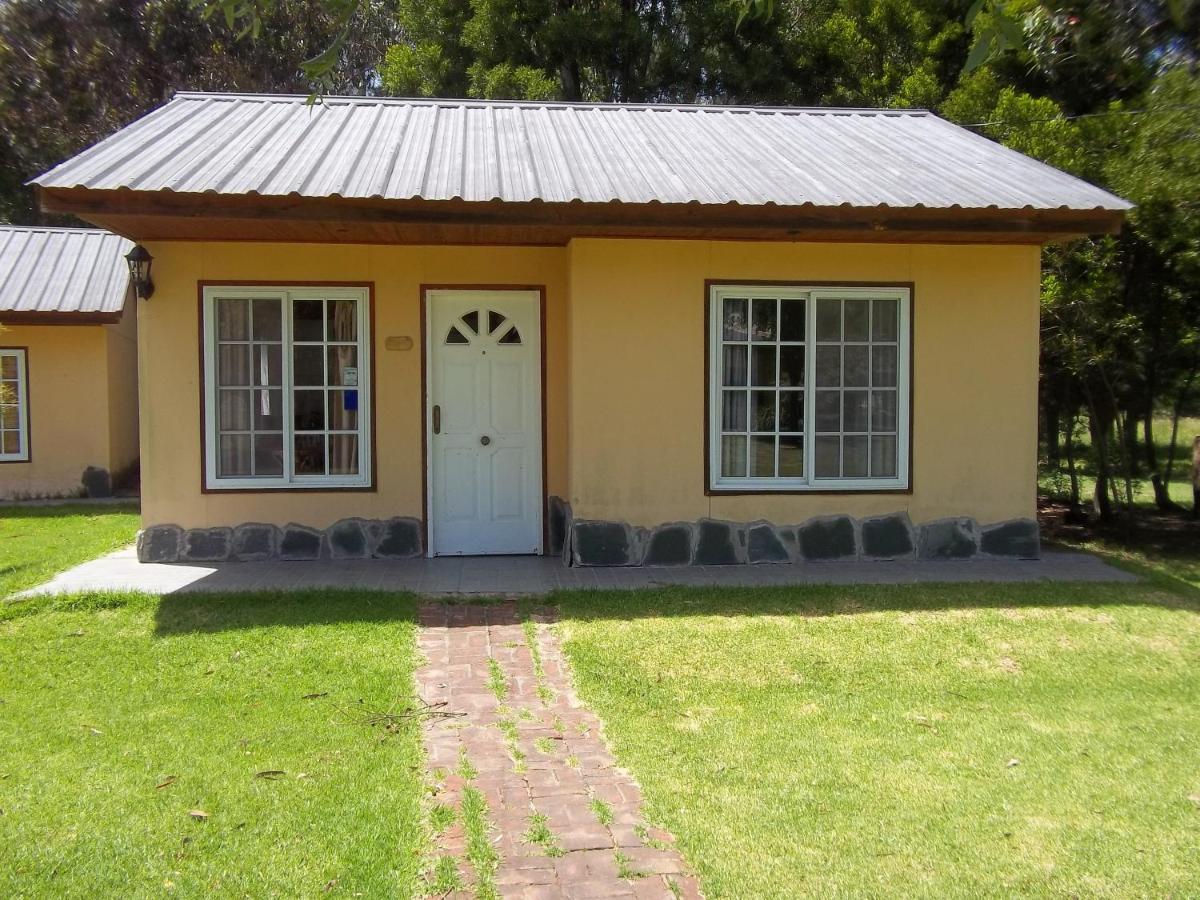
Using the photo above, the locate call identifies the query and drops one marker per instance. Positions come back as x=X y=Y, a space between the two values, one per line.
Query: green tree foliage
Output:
x=888 y=52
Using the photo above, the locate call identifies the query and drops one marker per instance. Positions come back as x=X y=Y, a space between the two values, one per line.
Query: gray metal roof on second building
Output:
x=62 y=270
x=479 y=151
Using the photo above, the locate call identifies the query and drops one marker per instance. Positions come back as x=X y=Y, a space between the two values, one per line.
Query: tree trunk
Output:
x=1052 y=424
x=1072 y=469
x=1101 y=501
x=1196 y=477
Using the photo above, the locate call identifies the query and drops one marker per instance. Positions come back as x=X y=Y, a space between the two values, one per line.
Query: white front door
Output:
x=484 y=422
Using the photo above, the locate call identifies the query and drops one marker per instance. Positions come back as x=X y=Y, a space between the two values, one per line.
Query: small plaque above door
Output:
x=398 y=343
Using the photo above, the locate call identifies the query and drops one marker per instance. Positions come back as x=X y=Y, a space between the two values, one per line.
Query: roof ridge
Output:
x=553 y=104
x=59 y=229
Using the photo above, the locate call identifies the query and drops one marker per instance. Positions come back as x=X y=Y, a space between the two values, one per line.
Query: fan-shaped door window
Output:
x=466 y=329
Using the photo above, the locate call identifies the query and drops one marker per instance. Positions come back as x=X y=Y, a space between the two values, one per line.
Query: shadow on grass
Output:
x=844 y=600
x=63 y=510
x=178 y=614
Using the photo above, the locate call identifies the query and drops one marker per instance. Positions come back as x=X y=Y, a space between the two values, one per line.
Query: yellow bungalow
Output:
x=624 y=334
x=68 y=362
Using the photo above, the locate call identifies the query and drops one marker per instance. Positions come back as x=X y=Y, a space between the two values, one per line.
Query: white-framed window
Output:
x=286 y=384
x=808 y=388
x=14 y=406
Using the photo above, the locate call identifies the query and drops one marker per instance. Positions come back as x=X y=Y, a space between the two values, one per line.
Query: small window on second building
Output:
x=14 y=406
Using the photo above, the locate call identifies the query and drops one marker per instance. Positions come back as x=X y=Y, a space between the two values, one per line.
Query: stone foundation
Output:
x=399 y=538
x=714 y=543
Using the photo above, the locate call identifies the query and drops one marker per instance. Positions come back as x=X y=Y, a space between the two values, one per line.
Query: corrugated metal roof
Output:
x=473 y=150
x=62 y=270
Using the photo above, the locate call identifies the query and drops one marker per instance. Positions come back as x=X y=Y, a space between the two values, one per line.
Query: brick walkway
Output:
x=562 y=820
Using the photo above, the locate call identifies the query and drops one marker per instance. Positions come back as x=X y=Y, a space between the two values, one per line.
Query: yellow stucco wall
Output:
x=624 y=374
x=82 y=407
x=121 y=350
x=170 y=378
x=637 y=386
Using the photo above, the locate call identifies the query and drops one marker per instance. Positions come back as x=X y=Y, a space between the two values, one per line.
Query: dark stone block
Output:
x=670 y=545
x=831 y=538
x=948 y=539
x=764 y=546
x=602 y=544
x=254 y=541
x=159 y=544
x=887 y=537
x=97 y=482
x=347 y=539
x=398 y=538
x=206 y=544
x=299 y=542
x=559 y=522
x=1020 y=537
x=714 y=546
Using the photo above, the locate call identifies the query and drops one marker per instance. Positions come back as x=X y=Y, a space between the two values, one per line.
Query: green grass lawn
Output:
x=40 y=541
x=124 y=718
x=937 y=741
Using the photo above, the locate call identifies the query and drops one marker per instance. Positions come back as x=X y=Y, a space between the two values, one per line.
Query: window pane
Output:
x=10 y=416
x=792 y=320
x=343 y=454
x=233 y=412
x=885 y=320
x=268 y=410
x=734 y=365
x=308 y=410
x=791 y=457
x=343 y=366
x=762 y=411
x=11 y=442
x=307 y=320
x=856 y=364
x=308 y=365
x=308 y=458
x=764 y=325
x=883 y=456
x=471 y=320
x=764 y=366
x=233 y=364
x=8 y=367
x=762 y=457
x=854 y=456
x=791 y=366
x=829 y=410
x=829 y=320
x=826 y=456
x=268 y=320
x=883 y=410
x=268 y=454
x=343 y=410
x=791 y=410
x=733 y=411
x=512 y=336
x=233 y=455
x=858 y=314
x=829 y=365
x=883 y=366
x=854 y=410
x=734 y=314
x=733 y=456
x=268 y=365
x=495 y=320
x=232 y=322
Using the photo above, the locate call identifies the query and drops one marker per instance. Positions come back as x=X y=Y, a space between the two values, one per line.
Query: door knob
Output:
x=485 y=440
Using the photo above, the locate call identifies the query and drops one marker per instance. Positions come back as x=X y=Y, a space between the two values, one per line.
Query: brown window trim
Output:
x=369 y=286
x=709 y=284
x=28 y=415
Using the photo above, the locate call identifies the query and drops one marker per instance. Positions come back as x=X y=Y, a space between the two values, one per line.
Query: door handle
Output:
x=437 y=419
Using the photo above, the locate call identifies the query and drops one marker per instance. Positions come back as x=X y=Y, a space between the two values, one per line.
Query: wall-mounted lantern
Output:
x=139 y=260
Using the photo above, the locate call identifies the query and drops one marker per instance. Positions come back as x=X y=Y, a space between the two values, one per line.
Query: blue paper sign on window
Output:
x=349 y=400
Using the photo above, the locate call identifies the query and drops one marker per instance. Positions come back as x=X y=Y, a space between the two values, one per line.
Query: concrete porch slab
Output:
x=513 y=575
